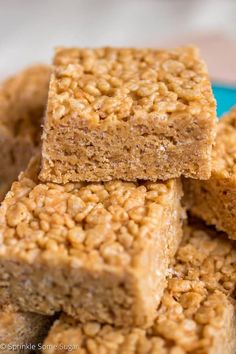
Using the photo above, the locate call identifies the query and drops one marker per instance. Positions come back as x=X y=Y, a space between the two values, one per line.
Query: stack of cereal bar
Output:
x=95 y=239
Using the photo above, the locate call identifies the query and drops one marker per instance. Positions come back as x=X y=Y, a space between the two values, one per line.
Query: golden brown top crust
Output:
x=109 y=85
x=192 y=314
x=88 y=224
x=224 y=153
x=23 y=99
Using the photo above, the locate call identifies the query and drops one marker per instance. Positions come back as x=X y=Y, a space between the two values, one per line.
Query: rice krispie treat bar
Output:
x=128 y=114
x=22 y=102
x=197 y=314
x=97 y=251
x=215 y=200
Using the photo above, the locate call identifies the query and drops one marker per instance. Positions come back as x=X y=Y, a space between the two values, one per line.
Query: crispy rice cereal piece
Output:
x=128 y=114
x=197 y=314
x=215 y=200
x=22 y=103
x=97 y=251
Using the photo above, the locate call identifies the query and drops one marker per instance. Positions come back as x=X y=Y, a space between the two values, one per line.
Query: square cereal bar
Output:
x=22 y=102
x=96 y=251
x=215 y=200
x=197 y=314
x=128 y=114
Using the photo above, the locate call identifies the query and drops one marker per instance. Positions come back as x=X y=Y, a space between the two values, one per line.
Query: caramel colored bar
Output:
x=196 y=316
x=96 y=251
x=128 y=114
x=215 y=200
x=22 y=103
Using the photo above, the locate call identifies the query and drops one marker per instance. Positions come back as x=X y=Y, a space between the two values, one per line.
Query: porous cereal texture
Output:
x=128 y=114
x=197 y=314
x=22 y=102
x=97 y=251
x=215 y=200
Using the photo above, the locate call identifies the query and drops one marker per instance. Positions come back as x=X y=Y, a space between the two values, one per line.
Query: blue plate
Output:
x=225 y=98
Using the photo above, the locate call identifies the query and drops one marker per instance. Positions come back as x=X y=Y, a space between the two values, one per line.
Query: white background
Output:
x=30 y=29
